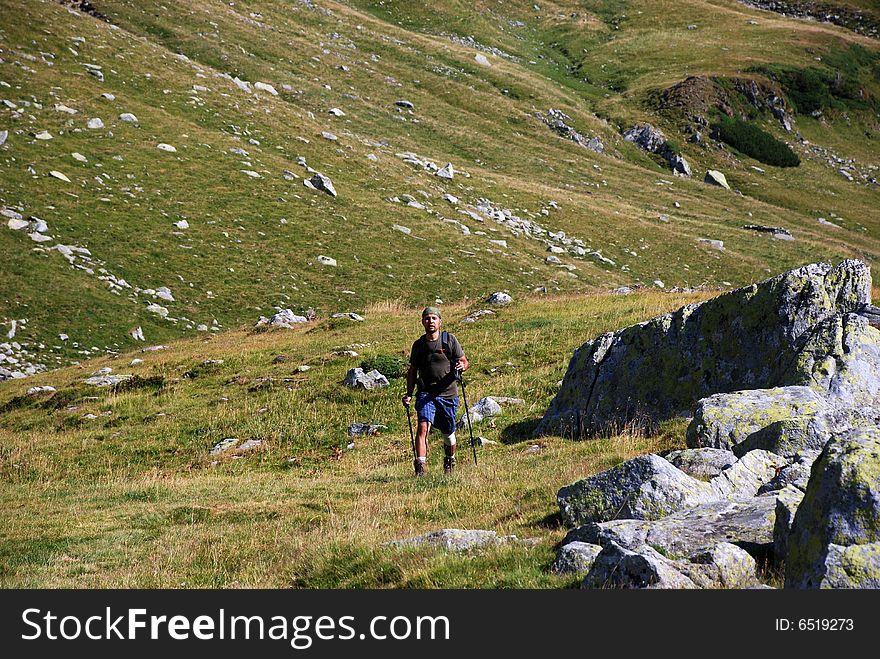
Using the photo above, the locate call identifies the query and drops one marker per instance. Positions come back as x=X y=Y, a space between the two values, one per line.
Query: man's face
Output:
x=431 y=322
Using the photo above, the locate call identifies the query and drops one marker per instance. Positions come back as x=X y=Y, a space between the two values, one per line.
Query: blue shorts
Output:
x=439 y=411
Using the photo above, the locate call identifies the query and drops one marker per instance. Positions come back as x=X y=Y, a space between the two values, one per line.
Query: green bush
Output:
x=756 y=143
x=390 y=366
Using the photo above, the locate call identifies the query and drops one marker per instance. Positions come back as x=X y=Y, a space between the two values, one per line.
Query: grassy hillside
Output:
x=108 y=487
x=252 y=244
x=118 y=487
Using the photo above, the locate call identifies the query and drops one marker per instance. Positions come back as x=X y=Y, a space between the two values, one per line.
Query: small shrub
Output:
x=756 y=143
x=154 y=382
x=391 y=366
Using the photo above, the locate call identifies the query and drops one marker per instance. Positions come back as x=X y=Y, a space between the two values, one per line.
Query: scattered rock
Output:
x=322 y=183
x=224 y=445
x=285 y=319
x=499 y=298
x=474 y=316
x=36 y=391
x=357 y=379
x=59 y=175
x=95 y=123
x=364 y=429
x=266 y=87
x=446 y=172
x=715 y=177
x=129 y=117
x=456 y=539
x=483 y=408
x=106 y=380
x=482 y=60
x=326 y=260
x=166 y=147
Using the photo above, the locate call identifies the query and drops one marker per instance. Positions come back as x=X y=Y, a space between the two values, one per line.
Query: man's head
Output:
x=431 y=319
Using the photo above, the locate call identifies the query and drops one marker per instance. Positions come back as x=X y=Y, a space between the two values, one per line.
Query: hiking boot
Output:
x=421 y=469
x=448 y=464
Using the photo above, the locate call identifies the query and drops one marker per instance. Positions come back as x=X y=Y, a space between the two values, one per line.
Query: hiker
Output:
x=435 y=361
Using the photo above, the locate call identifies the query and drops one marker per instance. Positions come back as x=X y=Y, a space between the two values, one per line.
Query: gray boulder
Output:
x=106 y=380
x=575 y=557
x=483 y=408
x=801 y=328
x=357 y=379
x=645 y=488
x=746 y=476
x=835 y=536
x=616 y=567
x=500 y=298
x=714 y=177
x=723 y=566
x=648 y=487
x=680 y=165
x=322 y=183
x=784 y=420
x=747 y=523
x=702 y=463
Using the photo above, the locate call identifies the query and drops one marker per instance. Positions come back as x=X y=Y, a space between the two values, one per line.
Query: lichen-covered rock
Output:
x=646 y=487
x=616 y=567
x=788 y=499
x=722 y=566
x=777 y=333
x=795 y=474
x=747 y=523
x=702 y=463
x=575 y=557
x=783 y=420
x=746 y=476
x=855 y=566
x=835 y=536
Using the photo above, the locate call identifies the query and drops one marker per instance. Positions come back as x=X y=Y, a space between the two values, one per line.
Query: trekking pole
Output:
x=467 y=414
x=412 y=438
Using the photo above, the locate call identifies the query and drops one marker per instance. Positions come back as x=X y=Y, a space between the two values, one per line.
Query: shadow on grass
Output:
x=521 y=431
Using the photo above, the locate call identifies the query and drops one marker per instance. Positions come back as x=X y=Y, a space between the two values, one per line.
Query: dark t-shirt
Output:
x=435 y=370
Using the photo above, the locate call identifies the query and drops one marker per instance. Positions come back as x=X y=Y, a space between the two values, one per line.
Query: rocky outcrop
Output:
x=557 y=120
x=835 y=537
x=801 y=328
x=745 y=522
x=795 y=362
x=651 y=139
x=702 y=463
x=722 y=566
x=649 y=487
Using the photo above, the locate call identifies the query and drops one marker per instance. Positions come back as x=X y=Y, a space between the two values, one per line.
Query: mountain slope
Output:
x=255 y=232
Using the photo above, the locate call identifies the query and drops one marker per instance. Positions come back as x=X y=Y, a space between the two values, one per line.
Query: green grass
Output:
x=133 y=498
x=596 y=61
